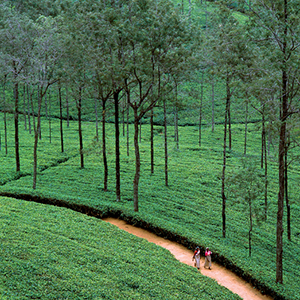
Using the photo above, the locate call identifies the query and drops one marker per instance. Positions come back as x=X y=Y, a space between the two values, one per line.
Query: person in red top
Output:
x=196 y=257
x=207 y=262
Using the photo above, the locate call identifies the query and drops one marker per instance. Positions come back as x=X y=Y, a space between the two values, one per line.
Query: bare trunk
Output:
x=79 y=107
x=117 y=146
x=213 y=105
x=152 y=142
x=223 y=171
x=4 y=116
x=137 y=162
x=67 y=102
x=281 y=150
x=251 y=226
x=36 y=139
x=127 y=122
x=263 y=138
x=266 y=180
x=28 y=109
x=49 y=118
x=24 y=107
x=200 y=113
x=16 y=121
x=61 y=119
x=140 y=135
x=123 y=118
x=97 y=125
x=288 y=207
x=166 y=145
x=32 y=110
x=5 y=133
x=176 y=134
x=40 y=128
x=228 y=110
x=246 y=129
x=104 y=146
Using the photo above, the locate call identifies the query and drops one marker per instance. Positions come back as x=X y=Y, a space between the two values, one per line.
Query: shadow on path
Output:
x=222 y=275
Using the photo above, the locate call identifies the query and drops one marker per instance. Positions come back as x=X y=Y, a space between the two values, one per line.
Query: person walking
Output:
x=196 y=257
x=207 y=262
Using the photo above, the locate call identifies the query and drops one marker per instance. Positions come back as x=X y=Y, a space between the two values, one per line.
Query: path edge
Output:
x=109 y=212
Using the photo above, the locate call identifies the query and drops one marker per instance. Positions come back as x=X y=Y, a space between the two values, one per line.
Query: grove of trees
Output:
x=134 y=57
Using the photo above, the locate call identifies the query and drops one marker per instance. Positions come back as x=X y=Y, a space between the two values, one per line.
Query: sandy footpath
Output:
x=223 y=276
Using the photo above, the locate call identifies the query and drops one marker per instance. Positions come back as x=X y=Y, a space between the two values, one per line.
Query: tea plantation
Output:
x=54 y=253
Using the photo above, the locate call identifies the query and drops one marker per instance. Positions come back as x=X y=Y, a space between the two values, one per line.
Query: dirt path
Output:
x=223 y=276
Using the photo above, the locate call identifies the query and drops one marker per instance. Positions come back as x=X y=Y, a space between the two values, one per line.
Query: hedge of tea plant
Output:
x=188 y=210
x=49 y=252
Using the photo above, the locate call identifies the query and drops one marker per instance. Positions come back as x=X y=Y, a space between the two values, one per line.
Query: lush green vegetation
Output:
x=189 y=210
x=209 y=64
x=55 y=253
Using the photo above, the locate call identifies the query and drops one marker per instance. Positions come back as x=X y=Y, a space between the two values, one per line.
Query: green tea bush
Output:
x=188 y=210
x=54 y=253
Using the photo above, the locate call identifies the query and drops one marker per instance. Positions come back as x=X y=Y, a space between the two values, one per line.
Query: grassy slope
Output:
x=54 y=253
x=190 y=207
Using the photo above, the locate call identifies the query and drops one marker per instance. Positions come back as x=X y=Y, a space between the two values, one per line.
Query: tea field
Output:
x=188 y=210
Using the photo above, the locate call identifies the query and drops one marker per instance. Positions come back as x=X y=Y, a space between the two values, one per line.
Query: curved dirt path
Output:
x=223 y=276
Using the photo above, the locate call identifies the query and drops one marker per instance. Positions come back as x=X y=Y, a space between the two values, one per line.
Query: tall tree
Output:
x=276 y=25
x=160 y=47
x=17 y=35
x=228 y=60
x=47 y=52
x=246 y=186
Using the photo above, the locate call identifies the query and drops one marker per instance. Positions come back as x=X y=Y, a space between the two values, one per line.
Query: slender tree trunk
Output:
x=36 y=139
x=79 y=108
x=200 y=114
x=40 y=128
x=288 y=207
x=228 y=97
x=97 y=125
x=263 y=138
x=24 y=107
x=4 y=116
x=213 y=105
x=123 y=117
x=5 y=133
x=137 y=162
x=104 y=145
x=32 y=110
x=46 y=107
x=266 y=180
x=28 y=108
x=49 y=118
x=117 y=146
x=61 y=119
x=16 y=121
x=67 y=103
x=152 y=141
x=229 y=127
x=127 y=122
x=140 y=135
x=251 y=226
x=281 y=150
x=176 y=133
x=246 y=129
x=269 y=138
x=166 y=145
x=224 y=169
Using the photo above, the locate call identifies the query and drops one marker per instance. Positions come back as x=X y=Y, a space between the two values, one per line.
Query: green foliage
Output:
x=246 y=185
x=189 y=209
x=54 y=253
